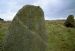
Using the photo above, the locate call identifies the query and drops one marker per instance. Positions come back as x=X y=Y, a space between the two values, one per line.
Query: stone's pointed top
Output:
x=30 y=6
x=30 y=11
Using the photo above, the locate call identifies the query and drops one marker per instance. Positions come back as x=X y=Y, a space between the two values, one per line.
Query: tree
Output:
x=70 y=21
x=1 y=19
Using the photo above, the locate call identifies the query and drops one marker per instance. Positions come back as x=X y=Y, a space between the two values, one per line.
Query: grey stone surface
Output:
x=27 y=31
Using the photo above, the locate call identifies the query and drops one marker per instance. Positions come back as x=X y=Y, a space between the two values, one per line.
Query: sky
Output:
x=53 y=9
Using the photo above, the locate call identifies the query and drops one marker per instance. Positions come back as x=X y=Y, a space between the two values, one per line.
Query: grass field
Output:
x=60 y=37
x=3 y=30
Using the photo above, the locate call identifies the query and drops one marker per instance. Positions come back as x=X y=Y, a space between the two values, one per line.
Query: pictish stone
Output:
x=27 y=31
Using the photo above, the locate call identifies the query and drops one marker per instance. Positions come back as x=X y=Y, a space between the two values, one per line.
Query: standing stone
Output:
x=27 y=31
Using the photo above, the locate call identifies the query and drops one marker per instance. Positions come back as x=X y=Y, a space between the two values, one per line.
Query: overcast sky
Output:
x=53 y=9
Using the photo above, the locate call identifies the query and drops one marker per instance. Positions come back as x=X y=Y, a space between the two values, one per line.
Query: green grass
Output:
x=3 y=30
x=60 y=37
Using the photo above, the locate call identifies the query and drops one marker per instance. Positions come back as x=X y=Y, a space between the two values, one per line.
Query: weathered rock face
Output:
x=27 y=31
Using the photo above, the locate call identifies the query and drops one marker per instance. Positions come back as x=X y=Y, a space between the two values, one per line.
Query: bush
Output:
x=70 y=21
x=1 y=19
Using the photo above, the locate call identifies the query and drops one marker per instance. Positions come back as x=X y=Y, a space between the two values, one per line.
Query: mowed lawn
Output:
x=60 y=38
